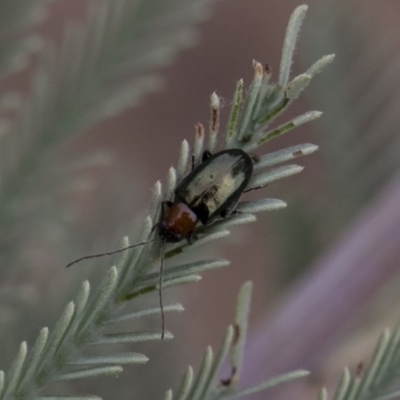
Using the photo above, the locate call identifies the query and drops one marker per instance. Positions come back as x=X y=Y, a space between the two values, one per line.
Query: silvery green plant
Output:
x=93 y=320
x=106 y=62
x=375 y=380
x=203 y=385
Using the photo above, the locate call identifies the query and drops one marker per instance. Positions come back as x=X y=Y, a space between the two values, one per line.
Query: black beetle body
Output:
x=209 y=191
x=215 y=186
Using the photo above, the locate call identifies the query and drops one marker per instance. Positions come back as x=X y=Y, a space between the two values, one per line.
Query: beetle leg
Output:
x=254 y=157
x=163 y=204
x=206 y=155
x=231 y=210
x=254 y=188
x=193 y=161
x=225 y=213
x=190 y=237
x=154 y=227
x=230 y=213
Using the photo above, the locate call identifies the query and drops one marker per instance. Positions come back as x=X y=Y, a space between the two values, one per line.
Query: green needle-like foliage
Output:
x=376 y=380
x=92 y=320
x=106 y=61
x=105 y=64
x=207 y=384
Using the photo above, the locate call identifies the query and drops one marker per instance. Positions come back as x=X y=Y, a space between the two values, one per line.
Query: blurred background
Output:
x=95 y=99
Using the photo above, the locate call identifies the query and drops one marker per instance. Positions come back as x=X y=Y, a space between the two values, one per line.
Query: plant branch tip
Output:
x=215 y=100
x=157 y=187
x=199 y=129
x=301 y=8
x=258 y=68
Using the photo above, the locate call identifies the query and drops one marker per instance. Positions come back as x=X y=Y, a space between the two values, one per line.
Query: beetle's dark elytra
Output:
x=215 y=186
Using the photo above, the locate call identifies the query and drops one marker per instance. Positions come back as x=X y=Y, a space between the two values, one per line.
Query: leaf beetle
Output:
x=209 y=191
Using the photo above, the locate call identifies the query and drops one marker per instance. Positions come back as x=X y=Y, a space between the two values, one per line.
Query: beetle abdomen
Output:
x=216 y=184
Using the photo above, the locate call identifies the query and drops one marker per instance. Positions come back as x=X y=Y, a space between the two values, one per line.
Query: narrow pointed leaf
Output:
x=130 y=337
x=87 y=373
x=268 y=384
x=123 y=358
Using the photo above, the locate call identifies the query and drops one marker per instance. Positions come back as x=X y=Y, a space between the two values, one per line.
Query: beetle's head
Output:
x=178 y=223
x=166 y=235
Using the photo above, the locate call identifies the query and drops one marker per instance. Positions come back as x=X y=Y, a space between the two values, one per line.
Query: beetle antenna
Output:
x=160 y=292
x=110 y=252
